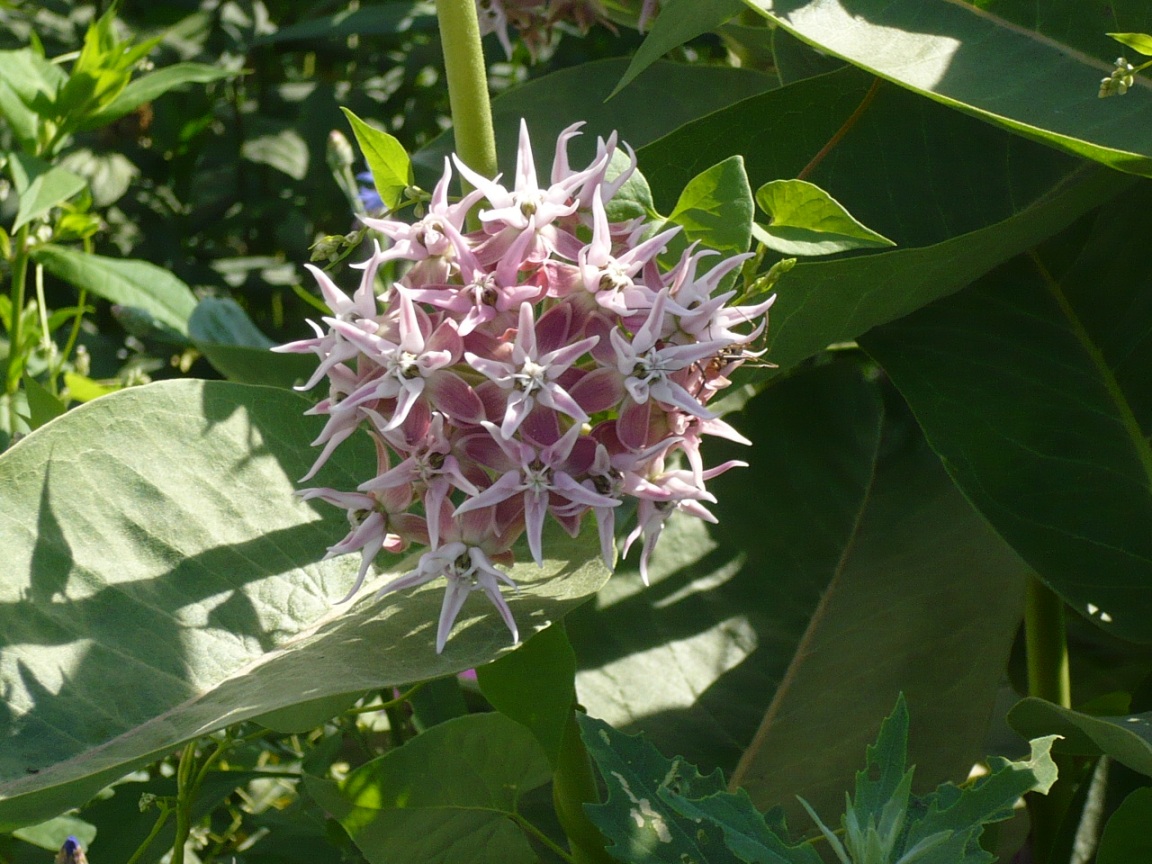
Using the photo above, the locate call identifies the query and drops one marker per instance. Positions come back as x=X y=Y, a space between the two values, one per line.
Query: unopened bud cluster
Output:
x=544 y=367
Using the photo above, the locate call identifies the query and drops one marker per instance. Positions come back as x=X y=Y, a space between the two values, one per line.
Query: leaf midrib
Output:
x=1096 y=357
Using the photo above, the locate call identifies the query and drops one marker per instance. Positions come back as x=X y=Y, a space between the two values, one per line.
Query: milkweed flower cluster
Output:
x=535 y=20
x=543 y=367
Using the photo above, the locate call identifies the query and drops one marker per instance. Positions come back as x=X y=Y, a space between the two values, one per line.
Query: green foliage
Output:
x=899 y=567
x=451 y=794
x=806 y=220
x=969 y=61
x=1139 y=42
x=715 y=208
x=533 y=686
x=665 y=811
x=1125 y=838
x=205 y=627
x=1063 y=471
x=387 y=160
x=1127 y=739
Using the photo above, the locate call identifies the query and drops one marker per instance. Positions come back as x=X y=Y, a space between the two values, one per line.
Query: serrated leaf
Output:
x=963 y=811
x=972 y=61
x=153 y=86
x=1126 y=838
x=138 y=284
x=806 y=220
x=1028 y=385
x=1127 y=739
x=716 y=208
x=1140 y=42
x=447 y=794
x=679 y=21
x=387 y=159
x=154 y=547
x=45 y=191
x=640 y=826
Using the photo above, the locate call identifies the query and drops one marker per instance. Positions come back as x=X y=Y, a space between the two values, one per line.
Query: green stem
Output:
x=15 y=361
x=573 y=786
x=185 y=779
x=542 y=838
x=161 y=821
x=1048 y=678
x=467 y=85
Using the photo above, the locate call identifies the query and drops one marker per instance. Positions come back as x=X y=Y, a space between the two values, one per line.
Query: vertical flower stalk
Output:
x=467 y=84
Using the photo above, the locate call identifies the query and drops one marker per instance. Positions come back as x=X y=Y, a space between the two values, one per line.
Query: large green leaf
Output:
x=844 y=569
x=679 y=21
x=968 y=59
x=553 y=102
x=1032 y=386
x=152 y=290
x=1126 y=739
x=1126 y=837
x=162 y=581
x=448 y=795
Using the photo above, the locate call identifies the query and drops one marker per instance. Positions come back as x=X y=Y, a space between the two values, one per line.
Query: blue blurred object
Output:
x=371 y=199
x=71 y=853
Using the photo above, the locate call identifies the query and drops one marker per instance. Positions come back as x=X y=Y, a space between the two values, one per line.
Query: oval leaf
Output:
x=137 y=284
x=1126 y=739
x=446 y=795
x=1031 y=385
x=1126 y=838
x=901 y=560
x=968 y=59
x=806 y=220
x=154 y=547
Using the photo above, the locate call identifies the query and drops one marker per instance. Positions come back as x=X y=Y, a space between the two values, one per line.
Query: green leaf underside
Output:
x=1126 y=838
x=168 y=559
x=387 y=160
x=1031 y=385
x=806 y=220
x=1127 y=739
x=696 y=660
x=137 y=284
x=447 y=794
x=679 y=21
x=683 y=93
x=970 y=60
